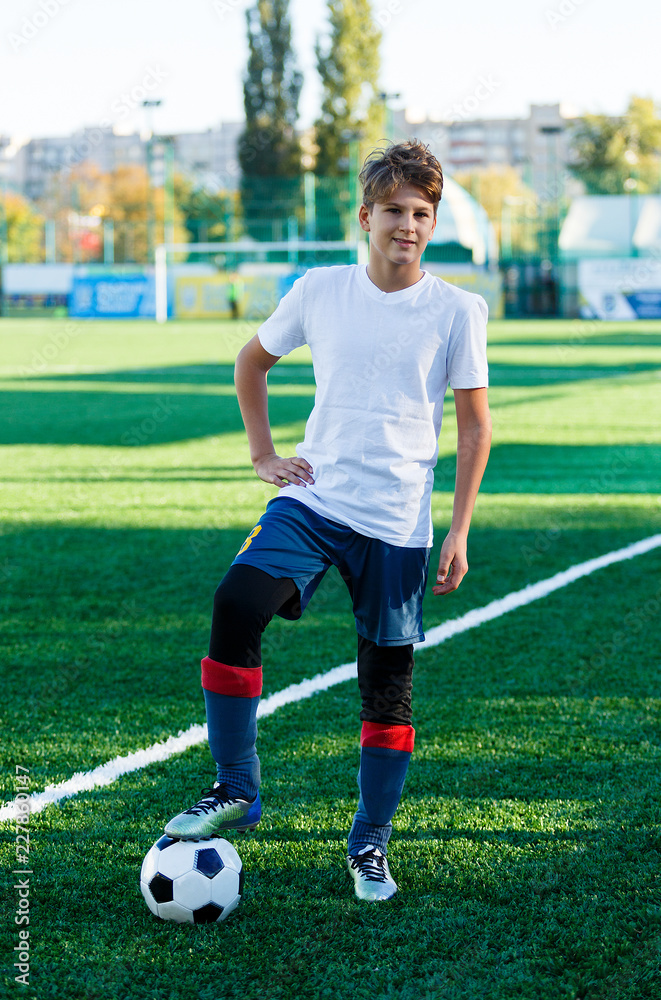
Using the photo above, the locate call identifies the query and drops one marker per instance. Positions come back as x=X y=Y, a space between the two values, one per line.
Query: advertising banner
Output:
x=202 y=297
x=620 y=288
x=107 y=296
x=225 y=296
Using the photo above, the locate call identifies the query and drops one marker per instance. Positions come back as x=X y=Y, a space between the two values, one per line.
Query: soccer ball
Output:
x=194 y=881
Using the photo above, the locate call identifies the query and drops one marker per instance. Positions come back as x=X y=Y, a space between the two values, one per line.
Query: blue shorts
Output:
x=386 y=582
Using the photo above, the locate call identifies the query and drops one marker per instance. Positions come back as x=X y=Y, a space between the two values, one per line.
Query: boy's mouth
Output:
x=404 y=243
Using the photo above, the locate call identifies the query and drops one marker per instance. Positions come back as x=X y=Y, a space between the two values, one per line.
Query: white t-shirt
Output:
x=382 y=364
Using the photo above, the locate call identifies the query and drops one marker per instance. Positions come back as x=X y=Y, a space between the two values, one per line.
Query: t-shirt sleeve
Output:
x=283 y=331
x=467 y=350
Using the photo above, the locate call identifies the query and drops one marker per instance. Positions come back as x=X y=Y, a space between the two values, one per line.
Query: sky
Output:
x=65 y=64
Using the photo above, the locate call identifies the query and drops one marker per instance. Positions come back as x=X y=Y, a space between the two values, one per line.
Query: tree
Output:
x=69 y=199
x=207 y=215
x=82 y=199
x=269 y=149
x=82 y=194
x=24 y=230
x=510 y=205
x=352 y=108
x=616 y=155
x=352 y=112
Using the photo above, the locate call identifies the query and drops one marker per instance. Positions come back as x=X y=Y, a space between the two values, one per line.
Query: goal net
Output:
x=245 y=279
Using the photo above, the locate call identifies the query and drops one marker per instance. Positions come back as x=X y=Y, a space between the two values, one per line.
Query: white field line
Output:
x=106 y=774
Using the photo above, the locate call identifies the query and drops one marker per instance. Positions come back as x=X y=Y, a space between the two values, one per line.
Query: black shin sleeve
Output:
x=384 y=679
x=244 y=603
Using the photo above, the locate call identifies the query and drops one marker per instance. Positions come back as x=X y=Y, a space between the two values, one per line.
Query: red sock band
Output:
x=239 y=682
x=376 y=734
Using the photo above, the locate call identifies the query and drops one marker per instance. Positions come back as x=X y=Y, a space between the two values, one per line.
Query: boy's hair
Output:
x=401 y=163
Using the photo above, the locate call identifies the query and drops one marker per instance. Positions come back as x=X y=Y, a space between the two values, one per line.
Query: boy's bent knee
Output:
x=244 y=603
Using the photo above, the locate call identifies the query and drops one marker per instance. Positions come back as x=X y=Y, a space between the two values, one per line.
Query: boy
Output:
x=385 y=340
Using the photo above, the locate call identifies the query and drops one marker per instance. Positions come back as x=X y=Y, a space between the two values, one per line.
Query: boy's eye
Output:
x=422 y=213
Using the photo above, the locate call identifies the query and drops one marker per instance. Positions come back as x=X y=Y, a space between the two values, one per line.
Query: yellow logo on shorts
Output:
x=255 y=531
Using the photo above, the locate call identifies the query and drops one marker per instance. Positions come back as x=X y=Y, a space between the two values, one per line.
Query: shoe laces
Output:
x=212 y=797
x=371 y=865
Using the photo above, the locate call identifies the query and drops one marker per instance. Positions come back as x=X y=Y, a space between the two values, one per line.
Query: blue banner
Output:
x=129 y=296
x=646 y=304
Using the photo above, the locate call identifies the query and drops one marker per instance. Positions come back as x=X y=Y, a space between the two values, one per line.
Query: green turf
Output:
x=527 y=846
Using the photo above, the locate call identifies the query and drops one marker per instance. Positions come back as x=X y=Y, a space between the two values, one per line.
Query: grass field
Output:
x=528 y=844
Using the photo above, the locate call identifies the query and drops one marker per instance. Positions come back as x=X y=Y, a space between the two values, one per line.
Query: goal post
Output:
x=294 y=249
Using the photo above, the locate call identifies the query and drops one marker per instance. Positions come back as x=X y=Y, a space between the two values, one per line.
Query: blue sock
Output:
x=232 y=725
x=231 y=696
x=384 y=759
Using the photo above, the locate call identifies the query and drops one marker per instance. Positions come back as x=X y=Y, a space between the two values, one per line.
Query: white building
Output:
x=538 y=147
x=208 y=158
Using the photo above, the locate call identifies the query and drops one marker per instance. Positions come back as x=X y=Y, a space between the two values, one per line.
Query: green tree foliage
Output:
x=208 y=216
x=511 y=206
x=352 y=108
x=24 y=230
x=121 y=198
x=269 y=148
x=351 y=121
x=616 y=155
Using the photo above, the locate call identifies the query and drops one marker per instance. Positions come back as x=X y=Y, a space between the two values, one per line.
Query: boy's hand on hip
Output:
x=284 y=471
x=452 y=566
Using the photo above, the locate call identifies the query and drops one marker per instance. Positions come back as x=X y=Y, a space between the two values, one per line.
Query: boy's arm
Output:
x=252 y=366
x=473 y=444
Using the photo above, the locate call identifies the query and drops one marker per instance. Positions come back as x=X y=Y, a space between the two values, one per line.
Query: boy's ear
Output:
x=364 y=218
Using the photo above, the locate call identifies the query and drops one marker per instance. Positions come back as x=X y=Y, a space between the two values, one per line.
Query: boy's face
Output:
x=400 y=227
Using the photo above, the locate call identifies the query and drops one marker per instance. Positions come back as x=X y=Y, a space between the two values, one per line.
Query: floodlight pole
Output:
x=388 y=115
x=552 y=181
x=151 y=212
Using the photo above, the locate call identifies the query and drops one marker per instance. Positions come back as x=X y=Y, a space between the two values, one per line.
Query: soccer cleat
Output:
x=216 y=812
x=371 y=875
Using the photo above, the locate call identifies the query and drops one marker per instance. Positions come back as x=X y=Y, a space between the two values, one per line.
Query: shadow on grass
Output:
x=584 y=336
x=207 y=374
x=553 y=373
x=127 y=419
x=196 y=474
x=546 y=372
x=564 y=468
